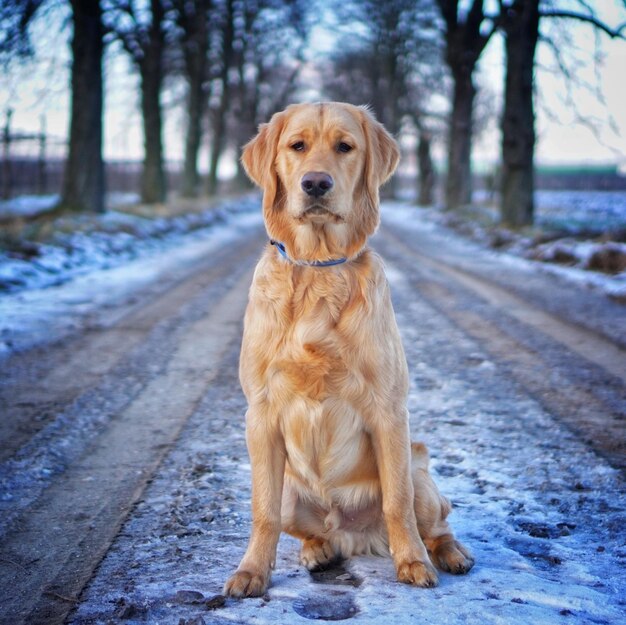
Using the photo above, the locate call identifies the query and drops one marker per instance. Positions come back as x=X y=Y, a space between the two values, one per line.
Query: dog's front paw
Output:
x=417 y=573
x=246 y=584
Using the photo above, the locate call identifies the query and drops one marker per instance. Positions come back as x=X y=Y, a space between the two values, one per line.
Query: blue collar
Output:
x=309 y=263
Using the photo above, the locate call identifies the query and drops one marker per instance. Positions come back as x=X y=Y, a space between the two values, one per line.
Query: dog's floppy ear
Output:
x=259 y=156
x=381 y=160
x=383 y=154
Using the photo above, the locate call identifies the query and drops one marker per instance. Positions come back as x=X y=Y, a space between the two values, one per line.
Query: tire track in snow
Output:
x=596 y=418
x=58 y=541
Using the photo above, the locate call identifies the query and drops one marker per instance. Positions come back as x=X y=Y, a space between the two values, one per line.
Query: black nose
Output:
x=316 y=183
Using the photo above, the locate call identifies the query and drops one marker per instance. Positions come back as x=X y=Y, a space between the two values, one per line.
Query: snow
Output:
x=90 y=271
x=571 y=211
x=542 y=514
x=574 y=213
x=81 y=244
x=33 y=205
x=27 y=206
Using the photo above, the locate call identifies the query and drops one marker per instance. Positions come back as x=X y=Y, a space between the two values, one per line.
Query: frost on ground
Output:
x=542 y=514
x=579 y=235
x=27 y=206
x=89 y=262
x=42 y=255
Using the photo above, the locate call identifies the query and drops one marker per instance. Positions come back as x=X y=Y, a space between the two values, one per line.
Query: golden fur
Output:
x=323 y=368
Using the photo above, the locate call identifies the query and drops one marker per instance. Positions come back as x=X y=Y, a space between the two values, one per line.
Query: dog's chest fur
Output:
x=300 y=359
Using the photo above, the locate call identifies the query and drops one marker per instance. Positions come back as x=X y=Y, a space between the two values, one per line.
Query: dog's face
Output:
x=320 y=167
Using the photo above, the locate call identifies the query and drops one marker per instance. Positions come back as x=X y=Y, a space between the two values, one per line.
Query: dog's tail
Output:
x=419 y=456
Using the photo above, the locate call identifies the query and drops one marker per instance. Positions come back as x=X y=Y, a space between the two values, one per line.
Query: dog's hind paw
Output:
x=317 y=554
x=451 y=556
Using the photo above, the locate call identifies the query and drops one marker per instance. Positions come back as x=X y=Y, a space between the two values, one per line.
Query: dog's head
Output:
x=320 y=167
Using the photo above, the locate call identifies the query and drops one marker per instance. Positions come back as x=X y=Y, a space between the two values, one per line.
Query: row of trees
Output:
x=467 y=34
x=413 y=61
x=399 y=66
x=237 y=58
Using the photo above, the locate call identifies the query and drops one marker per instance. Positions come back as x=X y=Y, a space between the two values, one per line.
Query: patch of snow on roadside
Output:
x=37 y=314
x=428 y=220
x=27 y=206
x=80 y=244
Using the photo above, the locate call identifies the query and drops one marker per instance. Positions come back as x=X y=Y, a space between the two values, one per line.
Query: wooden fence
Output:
x=34 y=163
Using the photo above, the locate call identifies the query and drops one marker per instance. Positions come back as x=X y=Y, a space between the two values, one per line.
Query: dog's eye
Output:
x=344 y=147
x=298 y=146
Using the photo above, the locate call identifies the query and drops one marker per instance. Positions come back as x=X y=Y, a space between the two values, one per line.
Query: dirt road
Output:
x=125 y=483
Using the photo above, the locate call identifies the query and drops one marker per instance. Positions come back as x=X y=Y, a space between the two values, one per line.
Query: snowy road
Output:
x=125 y=480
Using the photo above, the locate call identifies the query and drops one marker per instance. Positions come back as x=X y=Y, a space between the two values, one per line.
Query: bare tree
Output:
x=194 y=19
x=395 y=66
x=467 y=32
x=426 y=170
x=83 y=184
x=142 y=31
x=223 y=89
x=267 y=54
x=397 y=47
x=520 y=22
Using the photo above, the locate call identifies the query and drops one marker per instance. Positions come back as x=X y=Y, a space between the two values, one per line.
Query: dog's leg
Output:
x=267 y=460
x=392 y=448
x=431 y=510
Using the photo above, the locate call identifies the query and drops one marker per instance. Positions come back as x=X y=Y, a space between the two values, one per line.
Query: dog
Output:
x=322 y=365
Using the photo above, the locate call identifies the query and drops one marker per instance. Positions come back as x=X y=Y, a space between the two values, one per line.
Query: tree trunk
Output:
x=153 y=187
x=219 y=116
x=426 y=171
x=459 y=178
x=217 y=141
x=195 y=50
x=83 y=183
x=195 y=113
x=467 y=34
x=153 y=183
x=518 y=119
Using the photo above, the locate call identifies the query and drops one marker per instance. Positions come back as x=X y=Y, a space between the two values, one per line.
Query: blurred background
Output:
x=106 y=101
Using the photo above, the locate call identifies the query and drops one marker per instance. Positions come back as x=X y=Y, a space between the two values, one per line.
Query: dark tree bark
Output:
x=142 y=33
x=218 y=116
x=521 y=27
x=464 y=44
x=520 y=23
x=83 y=184
x=193 y=18
x=218 y=140
x=459 y=178
x=153 y=182
x=426 y=177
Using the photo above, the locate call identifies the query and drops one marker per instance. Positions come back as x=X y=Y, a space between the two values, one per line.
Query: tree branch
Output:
x=589 y=19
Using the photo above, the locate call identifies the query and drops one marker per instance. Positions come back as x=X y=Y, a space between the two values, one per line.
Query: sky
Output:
x=40 y=90
x=560 y=139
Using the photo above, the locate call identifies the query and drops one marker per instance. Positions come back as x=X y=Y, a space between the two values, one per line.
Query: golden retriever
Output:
x=322 y=365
